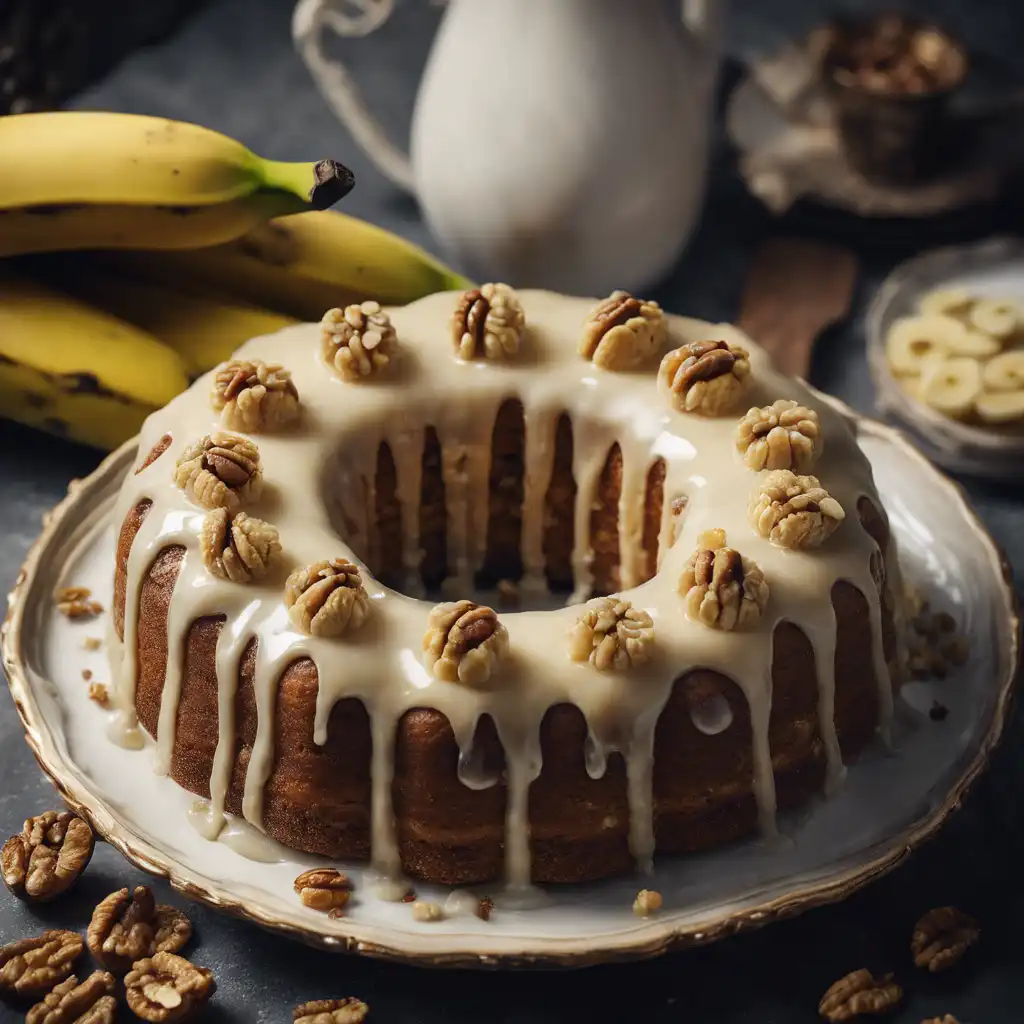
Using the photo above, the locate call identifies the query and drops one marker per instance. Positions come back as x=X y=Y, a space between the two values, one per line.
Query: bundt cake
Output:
x=703 y=570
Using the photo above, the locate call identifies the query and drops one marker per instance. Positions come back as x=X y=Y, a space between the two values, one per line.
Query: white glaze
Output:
x=328 y=465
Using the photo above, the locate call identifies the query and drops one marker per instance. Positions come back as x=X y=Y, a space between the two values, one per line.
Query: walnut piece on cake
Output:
x=488 y=323
x=165 y=987
x=612 y=635
x=783 y=435
x=327 y=598
x=358 y=341
x=464 y=642
x=47 y=857
x=722 y=589
x=220 y=471
x=705 y=377
x=238 y=547
x=794 y=511
x=859 y=994
x=251 y=395
x=622 y=332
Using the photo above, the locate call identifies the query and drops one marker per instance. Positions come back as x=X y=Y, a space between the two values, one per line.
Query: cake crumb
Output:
x=647 y=902
x=422 y=911
x=92 y=643
x=99 y=693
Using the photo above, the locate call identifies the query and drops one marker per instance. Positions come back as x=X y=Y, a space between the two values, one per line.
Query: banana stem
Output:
x=318 y=185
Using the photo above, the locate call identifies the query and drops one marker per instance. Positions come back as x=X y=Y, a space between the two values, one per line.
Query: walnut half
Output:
x=251 y=395
x=464 y=642
x=323 y=888
x=488 y=323
x=794 y=511
x=73 y=1002
x=238 y=547
x=705 y=377
x=331 y=1011
x=722 y=589
x=612 y=635
x=30 y=967
x=859 y=994
x=622 y=332
x=46 y=858
x=783 y=435
x=359 y=341
x=327 y=598
x=222 y=471
x=166 y=988
x=127 y=926
x=942 y=936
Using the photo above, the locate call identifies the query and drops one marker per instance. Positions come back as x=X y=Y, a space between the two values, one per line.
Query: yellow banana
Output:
x=304 y=265
x=203 y=328
x=74 y=371
x=79 y=180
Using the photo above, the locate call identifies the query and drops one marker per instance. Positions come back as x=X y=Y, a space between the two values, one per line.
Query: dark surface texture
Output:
x=232 y=68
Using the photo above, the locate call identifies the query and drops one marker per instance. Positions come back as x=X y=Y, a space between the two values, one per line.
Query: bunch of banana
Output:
x=93 y=341
x=963 y=356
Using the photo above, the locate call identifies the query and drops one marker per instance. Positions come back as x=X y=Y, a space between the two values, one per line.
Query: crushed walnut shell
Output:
x=358 y=341
x=92 y=643
x=127 y=926
x=859 y=994
x=99 y=693
x=73 y=1002
x=784 y=435
x=942 y=936
x=705 y=377
x=464 y=642
x=423 y=911
x=722 y=589
x=30 y=967
x=794 y=511
x=49 y=854
x=647 y=902
x=612 y=635
x=238 y=547
x=76 y=602
x=327 y=598
x=251 y=395
x=331 y=1011
x=622 y=332
x=222 y=471
x=323 y=888
x=488 y=323
x=166 y=988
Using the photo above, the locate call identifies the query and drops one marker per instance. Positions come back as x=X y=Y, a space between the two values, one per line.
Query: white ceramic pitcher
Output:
x=555 y=143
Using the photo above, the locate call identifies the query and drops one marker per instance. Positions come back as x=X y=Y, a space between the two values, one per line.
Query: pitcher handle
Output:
x=336 y=83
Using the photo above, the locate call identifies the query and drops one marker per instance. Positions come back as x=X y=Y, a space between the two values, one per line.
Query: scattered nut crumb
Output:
x=92 y=643
x=938 y=712
x=647 y=902
x=485 y=908
x=942 y=936
x=63 y=594
x=86 y=674
x=76 y=602
x=422 y=911
x=859 y=994
x=99 y=693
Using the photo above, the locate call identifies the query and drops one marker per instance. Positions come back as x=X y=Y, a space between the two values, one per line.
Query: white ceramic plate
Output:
x=993 y=268
x=889 y=804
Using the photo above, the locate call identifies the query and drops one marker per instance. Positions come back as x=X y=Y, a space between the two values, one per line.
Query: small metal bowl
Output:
x=891 y=79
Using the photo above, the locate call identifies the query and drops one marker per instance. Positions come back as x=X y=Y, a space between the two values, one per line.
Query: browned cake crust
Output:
x=317 y=798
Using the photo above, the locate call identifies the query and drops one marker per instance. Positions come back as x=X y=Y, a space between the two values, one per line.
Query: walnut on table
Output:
x=220 y=471
x=859 y=994
x=128 y=926
x=941 y=937
x=722 y=589
x=251 y=395
x=327 y=598
x=705 y=377
x=623 y=332
x=784 y=435
x=331 y=1011
x=238 y=547
x=612 y=635
x=358 y=341
x=323 y=888
x=464 y=642
x=647 y=902
x=73 y=1002
x=49 y=854
x=488 y=323
x=794 y=511
x=31 y=967
x=165 y=988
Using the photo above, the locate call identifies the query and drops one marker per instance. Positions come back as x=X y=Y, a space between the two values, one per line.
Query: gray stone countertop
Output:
x=232 y=68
